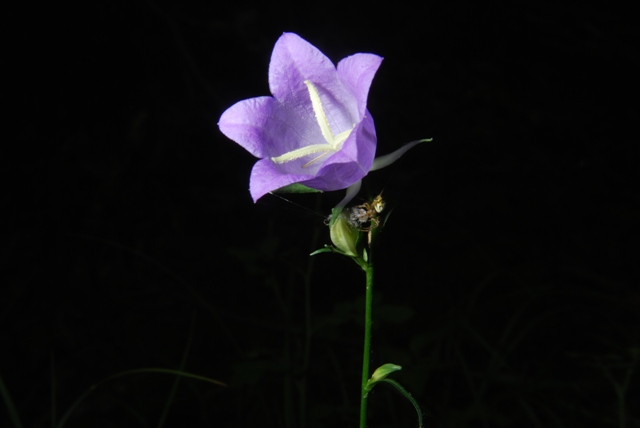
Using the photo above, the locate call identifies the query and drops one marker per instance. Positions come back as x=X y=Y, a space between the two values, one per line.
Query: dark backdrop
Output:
x=507 y=275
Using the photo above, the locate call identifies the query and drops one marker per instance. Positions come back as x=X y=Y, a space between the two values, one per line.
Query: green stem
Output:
x=367 y=342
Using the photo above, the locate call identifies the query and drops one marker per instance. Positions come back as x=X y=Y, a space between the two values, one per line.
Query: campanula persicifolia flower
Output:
x=315 y=130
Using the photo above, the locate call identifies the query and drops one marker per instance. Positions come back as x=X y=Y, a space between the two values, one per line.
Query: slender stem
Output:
x=367 y=343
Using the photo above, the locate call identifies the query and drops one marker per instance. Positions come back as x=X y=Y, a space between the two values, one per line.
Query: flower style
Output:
x=316 y=130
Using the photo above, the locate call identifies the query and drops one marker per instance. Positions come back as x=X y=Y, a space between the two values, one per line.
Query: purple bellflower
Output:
x=316 y=130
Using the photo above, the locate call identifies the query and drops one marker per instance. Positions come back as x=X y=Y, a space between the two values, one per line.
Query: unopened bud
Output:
x=344 y=235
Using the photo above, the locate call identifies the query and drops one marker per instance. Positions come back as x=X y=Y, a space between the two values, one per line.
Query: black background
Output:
x=507 y=275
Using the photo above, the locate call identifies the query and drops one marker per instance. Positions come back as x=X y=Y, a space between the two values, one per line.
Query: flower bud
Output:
x=344 y=235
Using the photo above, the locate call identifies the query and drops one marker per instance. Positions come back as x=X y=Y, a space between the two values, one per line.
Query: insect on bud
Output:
x=344 y=235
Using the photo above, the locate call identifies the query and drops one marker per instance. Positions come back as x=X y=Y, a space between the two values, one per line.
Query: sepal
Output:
x=390 y=158
x=296 y=188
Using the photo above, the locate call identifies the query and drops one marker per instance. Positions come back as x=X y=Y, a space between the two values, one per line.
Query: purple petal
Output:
x=295 y=60
x=246 y=121
x=356 y=73
x=351 y=163
x=266 y=177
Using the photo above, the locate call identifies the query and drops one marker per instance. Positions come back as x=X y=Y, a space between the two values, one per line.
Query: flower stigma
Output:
x=334 y=143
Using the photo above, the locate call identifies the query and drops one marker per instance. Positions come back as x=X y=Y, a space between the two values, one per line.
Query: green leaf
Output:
x=66 y=416
x=296 y=188
x=408 y=397
x=326 y=249
x=380 y=374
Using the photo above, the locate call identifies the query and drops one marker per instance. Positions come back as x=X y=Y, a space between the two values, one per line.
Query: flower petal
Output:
x=266 y=177
x=246 y=121
x=356 y=73
x=351 y=163
x=294 y=61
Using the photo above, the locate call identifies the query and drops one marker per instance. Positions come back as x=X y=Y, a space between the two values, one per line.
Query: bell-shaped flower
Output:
x=315 y=131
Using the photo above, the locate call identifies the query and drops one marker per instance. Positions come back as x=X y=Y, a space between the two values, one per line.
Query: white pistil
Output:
x=333 y=143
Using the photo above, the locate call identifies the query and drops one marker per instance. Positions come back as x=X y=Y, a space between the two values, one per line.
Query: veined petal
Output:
x=266 y=177
x=351 y=163
x=356 y=73
x=293 y=61
x=246 y=121
x=341 y=138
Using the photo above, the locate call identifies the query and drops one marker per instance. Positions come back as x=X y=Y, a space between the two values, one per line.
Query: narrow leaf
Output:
x=408 y=397
x=381 y=373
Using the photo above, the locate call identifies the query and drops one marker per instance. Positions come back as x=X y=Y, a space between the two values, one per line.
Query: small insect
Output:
x=365 y=216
